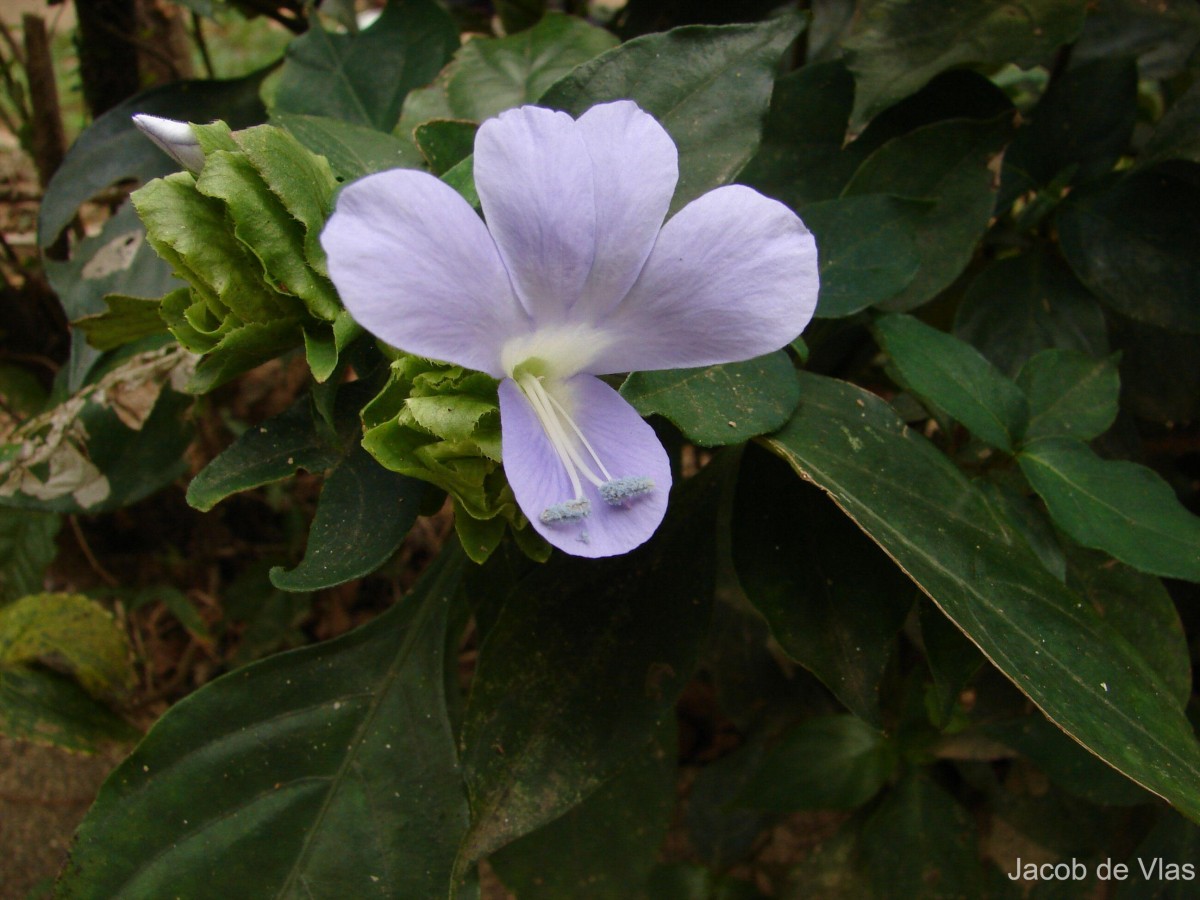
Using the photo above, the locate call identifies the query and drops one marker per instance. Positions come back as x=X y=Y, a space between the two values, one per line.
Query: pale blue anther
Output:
x=618 y=490
x=571 y=511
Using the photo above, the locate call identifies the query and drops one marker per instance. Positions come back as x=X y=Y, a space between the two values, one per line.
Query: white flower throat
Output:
x=575 y=453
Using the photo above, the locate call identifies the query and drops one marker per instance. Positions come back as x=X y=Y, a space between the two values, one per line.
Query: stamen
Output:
x=571 y=511
x=617 y=490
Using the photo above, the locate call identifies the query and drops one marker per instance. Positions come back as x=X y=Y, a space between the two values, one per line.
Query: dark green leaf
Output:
x=721 y=404
x=1008 y=495
x=948 y=163
x=1137 y=230
x=27 y=546
x=828 y=762
x=48 y=708
x=929 y=518
x=352 y=150
x=241 y=350
x=801 y=159
x=833 y=601
x=363 y=514
x=1120 y=507
x=1162 y=35
x=709 y=87
x=722 y=833
x=1164 y=863
x=518 y=14
x=1177 y=134
x=921 y=838
x=492 y=75
x=866 y=249
x=1159 y=378
x=274 y=450
x=363 y=78
x=584 y=662
x=1080 y=127
x=112 y=148
x=604 y=848
x=445 y=143
x=330 y=772
x=955 y=378
x=953 y=660
x=1021 y=305
x=901 y=44
x=1070 y=394
x=127 y=319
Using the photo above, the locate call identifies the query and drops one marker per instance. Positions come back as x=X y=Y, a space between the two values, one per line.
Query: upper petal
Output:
x=732 y=276
x=635 y=167
x=624 y=442
x=534 y=179
x=415 y=266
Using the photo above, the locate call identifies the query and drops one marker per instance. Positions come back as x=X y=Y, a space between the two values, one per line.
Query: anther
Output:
x=570 y=511
x=618 y=490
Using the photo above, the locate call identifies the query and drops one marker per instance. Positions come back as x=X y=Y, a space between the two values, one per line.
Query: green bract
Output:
x=441 y=423
x=243 y=234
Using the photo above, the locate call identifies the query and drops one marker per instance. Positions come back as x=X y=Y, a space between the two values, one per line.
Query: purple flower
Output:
x=573 y=276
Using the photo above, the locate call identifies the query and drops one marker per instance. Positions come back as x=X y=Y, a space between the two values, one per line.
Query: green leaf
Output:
x=866 y=249
x=363 y=514
x=113 y=149
x=241 y=350
x=1021 y=305
x=445 y=142
x=1159 y=378
x=801 y=160
x=827 y=762
x=1163 y=864
x=330 y=771
x=492 y=75
x=272 y=451
x=352 y=150
x=27 y=547
x=901 y=44
x=917 y=505
x=953 y=661
x=584 y=662
x=74 y=632
x=922 y=838
x=1176 y=136
x=127 y=319
x=955 y=378
x=605 y=847
x=1080 y=127
x=1163 y=35
x=725 y=404
x=834 y=602
x=709 y=87
x=1070 y=394
x=363 y=78
x=948 y=163
x=1135 y=230
x=1120 y=507
x=518 y=14
x=48 y=708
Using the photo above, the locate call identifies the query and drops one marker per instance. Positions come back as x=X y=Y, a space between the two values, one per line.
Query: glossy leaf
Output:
x=801 y=159
x=352 y=150
x=272 y=451
x=1137 y=230
x=585 y=660
x=605 y=847
x=492 y=75
x=1020 y=305
x=363 y=78
x=1070 y=394
x=834 y=602
x=330 y=771
x=900 y=44
x=867 y=251
x=1120 y=507
x=827 y=762
x=27 y=546
x=719 y=405
x=74 y=631
x=950 y=164
x=363 y=514
x=911 y=500
x=955 y=378
x=708 y=86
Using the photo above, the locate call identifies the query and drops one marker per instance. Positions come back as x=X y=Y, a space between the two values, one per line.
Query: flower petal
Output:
x=635 y=167
x=415 y=266
x=625 y=444
x=732 y=276
x=534 y=179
